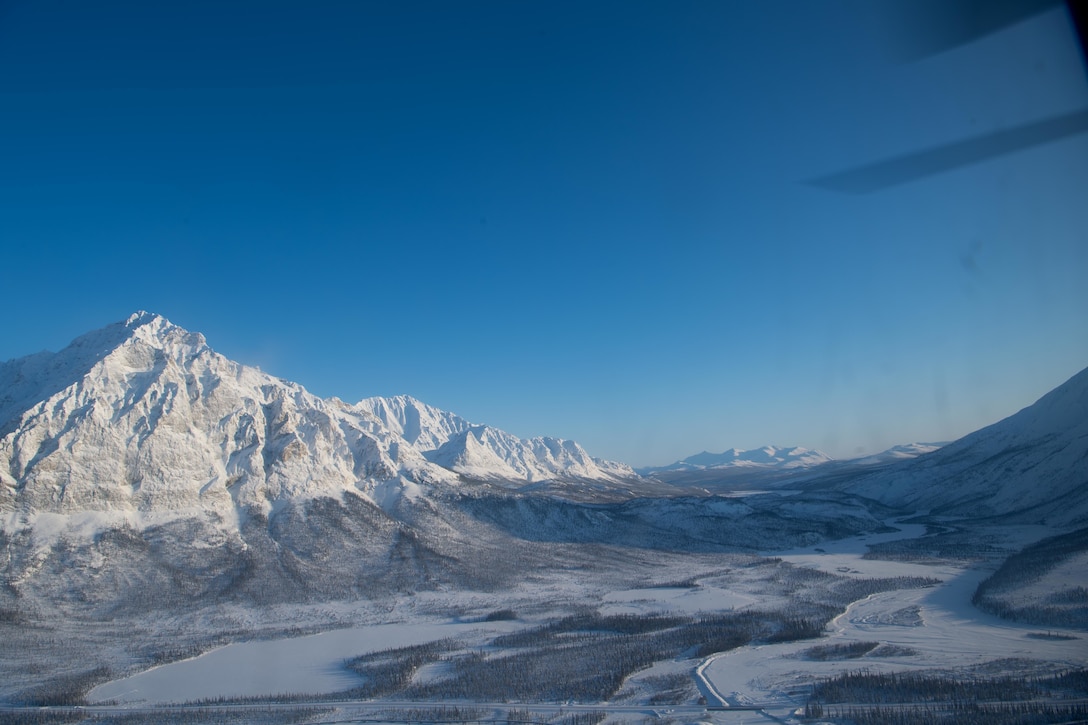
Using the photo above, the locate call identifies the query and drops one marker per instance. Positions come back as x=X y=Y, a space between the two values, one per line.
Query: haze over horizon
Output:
x=592 y=222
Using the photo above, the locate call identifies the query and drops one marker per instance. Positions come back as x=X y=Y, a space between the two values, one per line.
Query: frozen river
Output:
x=938 y=626
x=311 y=665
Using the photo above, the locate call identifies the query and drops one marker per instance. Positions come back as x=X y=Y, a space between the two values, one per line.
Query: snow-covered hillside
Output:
x=768 y=457
x=142 y=417
x=1033 y=464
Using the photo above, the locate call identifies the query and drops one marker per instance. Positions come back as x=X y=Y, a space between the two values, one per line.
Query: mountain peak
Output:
x=27 y=380
x=145 y=327
x=142 y=317
x=158 y=332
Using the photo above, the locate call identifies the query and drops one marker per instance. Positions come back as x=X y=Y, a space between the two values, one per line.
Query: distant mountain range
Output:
x=772 y=467
x=766 y=457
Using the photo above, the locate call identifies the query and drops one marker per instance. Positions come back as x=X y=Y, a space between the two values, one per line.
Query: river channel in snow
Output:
x=934 y=627
x=311 y=665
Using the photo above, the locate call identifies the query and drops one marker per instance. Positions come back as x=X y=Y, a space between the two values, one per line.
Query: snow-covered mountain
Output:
x=1033 y=464
x=139 y=469
x=768 y=457
x=483 y=452
x=142 y=417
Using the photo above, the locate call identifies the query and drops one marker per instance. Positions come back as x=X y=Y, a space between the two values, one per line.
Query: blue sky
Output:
x=587 y=220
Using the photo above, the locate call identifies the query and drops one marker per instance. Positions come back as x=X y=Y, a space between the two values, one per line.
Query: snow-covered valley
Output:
x=918 y=628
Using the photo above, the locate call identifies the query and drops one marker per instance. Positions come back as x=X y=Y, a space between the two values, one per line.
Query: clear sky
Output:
x=591 y=220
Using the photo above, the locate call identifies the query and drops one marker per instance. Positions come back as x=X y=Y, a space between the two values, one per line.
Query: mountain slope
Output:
x=1032 y=465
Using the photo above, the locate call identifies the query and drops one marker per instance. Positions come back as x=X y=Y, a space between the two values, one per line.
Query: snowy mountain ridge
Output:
x=143 y=417
x=484 y=452
x=756 y=458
